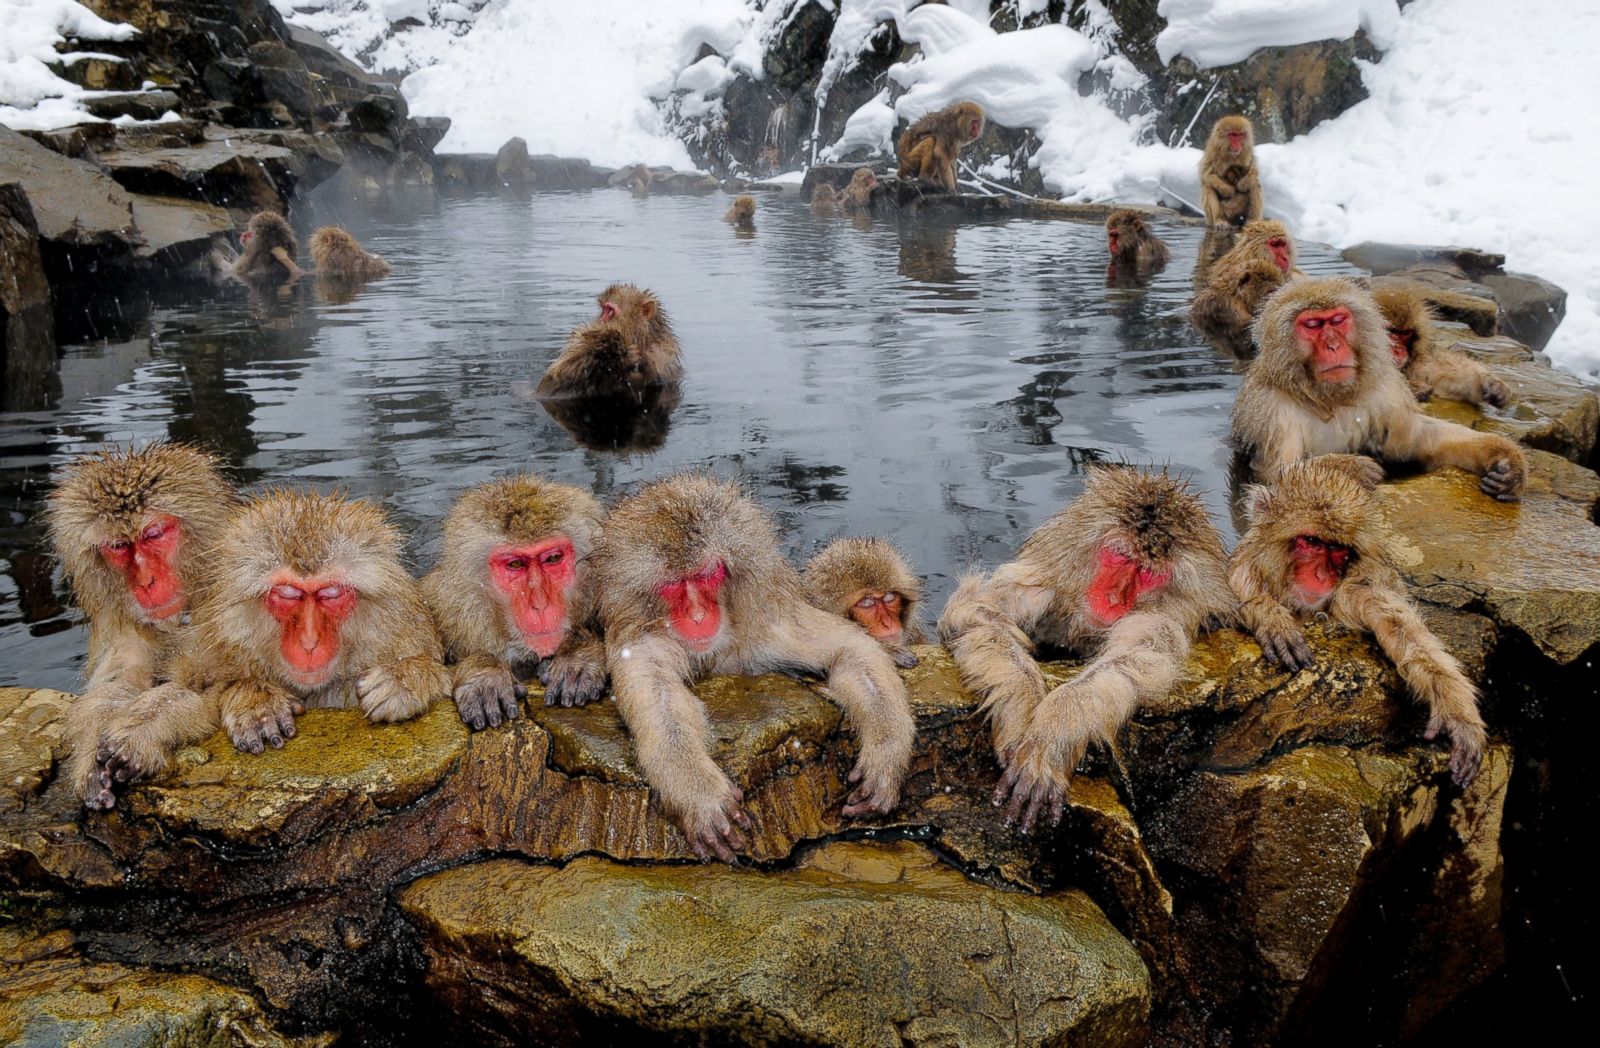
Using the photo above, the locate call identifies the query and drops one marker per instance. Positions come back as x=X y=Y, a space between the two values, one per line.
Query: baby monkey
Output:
x=1318 y=543
x=742 y=214
x=510 y=591
x=868 y=582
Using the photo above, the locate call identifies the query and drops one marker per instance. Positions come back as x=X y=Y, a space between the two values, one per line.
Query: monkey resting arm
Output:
x=985 y=627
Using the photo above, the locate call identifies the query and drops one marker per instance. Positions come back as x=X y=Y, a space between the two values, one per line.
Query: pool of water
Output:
x=938 y=383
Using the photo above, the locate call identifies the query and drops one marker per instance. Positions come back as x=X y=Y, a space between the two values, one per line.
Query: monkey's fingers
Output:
x=572 y=682
x=100 y=796
x=1503 y=481
x=904 y=658
x=1496 y=393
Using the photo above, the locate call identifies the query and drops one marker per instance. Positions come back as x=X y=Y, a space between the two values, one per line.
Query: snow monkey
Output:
x=1318 y=543
x=269 y=250
x=929 y=148
x=1266 y=239
x=627 y=349
x=305 y=603
x=857 y=196
x=1126 y=575
x=1429 y=369
x=1132 y=245
x=1227 y=307
x=1325 y=382
x=129 y=528
x=509 y=593
x=691 y=582
x=743 y=213
x=638 y=179
x=338 y=256
x=825 y=199
x=1229 y=188
x=868 y=582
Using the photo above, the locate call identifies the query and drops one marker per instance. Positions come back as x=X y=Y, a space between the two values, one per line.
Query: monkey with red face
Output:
x=691 y=582
x=510 y=592
x=1127 y=574
x=868 y=582
x=1325 y=382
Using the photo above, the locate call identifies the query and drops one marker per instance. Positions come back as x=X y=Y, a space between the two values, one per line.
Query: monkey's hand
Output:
x=903 y=657
x=877 y=787
x=135 y=748
x=397 y=692
x=1467 y=743
x=713 y=818
x=1284 y=645
x=1495 y=393
x=257 y=715
x=1504 y=481
x=572 y=679
x=487 y=697
x=1033 y=784
x=1364 y=469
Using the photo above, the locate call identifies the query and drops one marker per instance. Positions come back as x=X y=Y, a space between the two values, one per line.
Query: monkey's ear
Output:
x=648 y=308
x=1257 y=502
x=1138 y=225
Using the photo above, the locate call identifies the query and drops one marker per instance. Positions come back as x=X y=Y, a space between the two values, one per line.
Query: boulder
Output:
x=858 y=944
x=177 y=232
x=1531 y=308
x=512 y=166
x=465 y=170
x=1381 y=259
x=1452 y=294
x=1285 y=91
x=84 y=218
x=141 y=105
x=241 y=169
x=555 y=172
x=22 y=280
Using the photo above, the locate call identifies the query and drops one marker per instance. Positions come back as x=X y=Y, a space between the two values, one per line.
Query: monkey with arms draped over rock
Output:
x=1127 y=575
x=691 y=583
x=1428 y=368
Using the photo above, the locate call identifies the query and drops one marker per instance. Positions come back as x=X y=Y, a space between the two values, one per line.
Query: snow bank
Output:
x=31 y=94
x=1221 y=32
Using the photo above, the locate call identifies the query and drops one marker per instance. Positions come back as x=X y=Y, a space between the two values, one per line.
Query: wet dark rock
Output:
x=74 y=141
x=796 y=54
x=83 y=216
x=1531 y=308
x=512 y=166
x=22 y=279
x=177 y=232
x=169 y=134
x=141 y=105
x=242 y=169
x=428 y=131
x=555 y=172
x=1381 y=259
x=465 y=170
x=28 y=377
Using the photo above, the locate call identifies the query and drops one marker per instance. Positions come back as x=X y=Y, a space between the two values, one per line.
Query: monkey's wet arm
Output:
x=984 y=626
x=287 y=262
x=1273 y=625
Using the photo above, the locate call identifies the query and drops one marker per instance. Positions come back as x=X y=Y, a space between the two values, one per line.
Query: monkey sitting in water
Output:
x=628 y=349
x=742 y=214
x=269 y=247
x=339 y=257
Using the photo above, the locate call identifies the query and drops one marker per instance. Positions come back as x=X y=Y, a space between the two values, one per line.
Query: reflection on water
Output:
x=941 y=385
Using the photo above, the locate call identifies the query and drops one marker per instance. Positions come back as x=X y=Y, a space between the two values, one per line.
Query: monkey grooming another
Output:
x=691 y=583
x=1325 y=382
x=269 y=249
x=1230 y=192
x=742 y=214
x=510 y=591
x=1132 y=245
x=868 y=582
x=627 y=349
x=129 y=528
x=1318 y=543
x=857 y=196
x=1126 y=575
x=1414 y=341
x=929 y=148
x=306 y=603
x=338 y=257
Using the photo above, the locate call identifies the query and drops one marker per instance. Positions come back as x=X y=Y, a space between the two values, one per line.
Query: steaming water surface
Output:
x=943 y=385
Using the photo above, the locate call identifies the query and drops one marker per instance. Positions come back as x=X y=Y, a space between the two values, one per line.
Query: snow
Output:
x=1221 y=32
x=32 y=96
x=871 y=128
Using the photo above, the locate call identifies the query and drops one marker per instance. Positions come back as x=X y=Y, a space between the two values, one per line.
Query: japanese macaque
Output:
x=1325 y=382
x=857 y=196
x=1132 y=245
x=825 y=199
x=868 y=582
x=691 y=582
x=743 y=213
x=929 y=148
x=627 y=349
x=638 y=179
x=1266 y=239
x=508 y=595
x=305 y=603
x=1230 y=192
x=1318 y=544
x=338 y=257
x=1227 y=307
x=1126 y=575
x=1413 y=339
x=269 y=249
x=129 y=528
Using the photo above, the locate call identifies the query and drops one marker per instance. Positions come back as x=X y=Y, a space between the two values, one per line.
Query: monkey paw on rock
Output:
x=904 y=657
x=877 y=790
x=571 y=680
x=712 y=823
x=1468 y=741
x=488 y=697
x=385 y=698
x=1286 y=647
x=1503 y=481
x=1034 y=785
x=1495 y=392
x=256 y=717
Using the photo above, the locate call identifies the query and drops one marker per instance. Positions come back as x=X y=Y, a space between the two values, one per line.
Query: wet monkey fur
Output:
x=627 y=348
x=743 y=213
x=857 y=196
x=1318 y=543
x=691 y=582
x=129 y=527
x=869 y=582
x=306 y=604
x=338 y=256
x=1131 y=244
x=269 y=247
x=510 y=594
x=1325 y=382
x=929 y=148
x=1428 y=368
x=1126 y=575
x=824 y=199
x=1230 y=191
